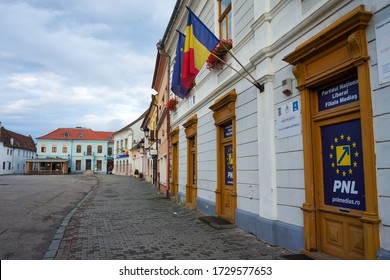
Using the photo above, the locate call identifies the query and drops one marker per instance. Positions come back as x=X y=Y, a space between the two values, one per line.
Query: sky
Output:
x=69 y=63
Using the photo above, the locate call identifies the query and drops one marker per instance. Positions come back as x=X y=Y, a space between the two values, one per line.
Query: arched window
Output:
x=78 y=149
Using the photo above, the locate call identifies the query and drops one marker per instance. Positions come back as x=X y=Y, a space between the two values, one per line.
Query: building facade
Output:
x=15 y=150
x=86 y=150
x=160 y=84
x=289 y=141
x=151 y=141
x=126 y=158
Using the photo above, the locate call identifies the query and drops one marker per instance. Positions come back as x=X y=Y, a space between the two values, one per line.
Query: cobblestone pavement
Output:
x=128 y=219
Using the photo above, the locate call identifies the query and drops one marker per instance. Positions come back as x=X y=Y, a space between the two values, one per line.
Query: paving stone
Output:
x=124 y=218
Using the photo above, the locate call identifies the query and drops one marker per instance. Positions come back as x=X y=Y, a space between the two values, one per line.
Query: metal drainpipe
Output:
x=160 y=47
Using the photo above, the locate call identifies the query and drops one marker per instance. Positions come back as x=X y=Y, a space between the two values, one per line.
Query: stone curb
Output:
x=55 y=243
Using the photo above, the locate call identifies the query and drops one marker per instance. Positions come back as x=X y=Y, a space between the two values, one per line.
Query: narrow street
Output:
x=129 y=219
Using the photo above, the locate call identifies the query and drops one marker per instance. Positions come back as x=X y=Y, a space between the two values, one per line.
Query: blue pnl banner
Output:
x=338 y=94
x=343 y=171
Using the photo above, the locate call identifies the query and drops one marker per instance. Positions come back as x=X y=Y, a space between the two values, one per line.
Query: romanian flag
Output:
x=177 y=86
x=199 y=43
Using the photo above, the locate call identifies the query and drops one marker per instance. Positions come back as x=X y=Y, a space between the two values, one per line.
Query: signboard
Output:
x=229 y=174
x=342 y=159
x=288 y=120
x=228 y=131
x=382 y=35
x=338 y=94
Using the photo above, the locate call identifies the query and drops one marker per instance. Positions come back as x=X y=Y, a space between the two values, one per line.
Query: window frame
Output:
x=224 y=15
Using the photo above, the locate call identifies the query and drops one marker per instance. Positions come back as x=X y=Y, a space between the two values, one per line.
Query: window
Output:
x=54 y=148
x=89 y=150
x=99 y=165
x=43 y=149
x=126 y=143
x=109 y=151
x=10 y=152
x=65 y=149
x=78 y=164
x=225 y=19
x=9 y=165
x=3 y=165
x=78 y=149
x=100 y=149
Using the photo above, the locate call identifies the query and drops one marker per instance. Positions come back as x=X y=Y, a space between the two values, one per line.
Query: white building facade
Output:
x=127 y=159
x=302 y=160
x=15 y=149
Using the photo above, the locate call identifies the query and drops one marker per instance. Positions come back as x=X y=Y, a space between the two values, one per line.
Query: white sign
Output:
x=288 y=119
x=382 y=34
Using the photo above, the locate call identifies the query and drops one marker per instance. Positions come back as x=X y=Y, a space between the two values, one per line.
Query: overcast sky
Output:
x=68 y=63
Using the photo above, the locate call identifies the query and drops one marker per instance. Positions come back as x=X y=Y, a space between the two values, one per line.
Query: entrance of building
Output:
x=225 y=123
x=191 y=128
x=340 y=211
x=175 y=162
x=191 y=189
x=227 y=172
x=339 y=177
x=88 y=164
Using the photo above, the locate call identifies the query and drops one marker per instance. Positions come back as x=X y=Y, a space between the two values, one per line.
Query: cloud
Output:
x=72 y=63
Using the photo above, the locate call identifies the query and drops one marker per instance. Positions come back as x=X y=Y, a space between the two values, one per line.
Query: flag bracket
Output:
x=259 y=86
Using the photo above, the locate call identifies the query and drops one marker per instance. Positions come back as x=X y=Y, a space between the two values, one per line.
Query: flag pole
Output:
x=256 y=84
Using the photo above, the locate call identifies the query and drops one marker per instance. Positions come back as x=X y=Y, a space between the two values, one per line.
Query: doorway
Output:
x=191 y=185
x=227 y=173
x=340 y=212
x=339 y=162
x=225 y=124
x=175 y=162
x=88 y=164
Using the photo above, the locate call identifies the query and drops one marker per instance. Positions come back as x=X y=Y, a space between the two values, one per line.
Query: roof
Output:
x=15 y=140
x=133 y=123
x=78 y=133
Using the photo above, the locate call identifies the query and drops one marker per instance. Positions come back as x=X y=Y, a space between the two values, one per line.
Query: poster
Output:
x=288 y=120
x=229 y=174
x=382 y=35
x=342 y=159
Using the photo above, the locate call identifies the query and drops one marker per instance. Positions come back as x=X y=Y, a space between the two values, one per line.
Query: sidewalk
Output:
x=128 y=219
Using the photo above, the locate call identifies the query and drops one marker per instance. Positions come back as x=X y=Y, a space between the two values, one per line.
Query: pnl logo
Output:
x=343 y=171
x=344 y=154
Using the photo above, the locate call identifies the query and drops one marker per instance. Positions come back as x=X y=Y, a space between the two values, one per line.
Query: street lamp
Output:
x=147 y=132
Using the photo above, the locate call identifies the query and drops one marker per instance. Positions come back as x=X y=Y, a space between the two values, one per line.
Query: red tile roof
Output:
x=19 y=141
x=78 y=133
